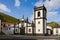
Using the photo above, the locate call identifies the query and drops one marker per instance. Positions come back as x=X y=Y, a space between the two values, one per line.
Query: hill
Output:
x=53 y=24
x=7 y=18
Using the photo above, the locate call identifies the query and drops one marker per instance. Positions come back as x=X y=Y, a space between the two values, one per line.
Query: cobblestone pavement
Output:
x=21 y=37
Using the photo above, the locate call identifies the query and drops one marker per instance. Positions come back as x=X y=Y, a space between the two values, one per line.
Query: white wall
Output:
x=56 y=29
x=39 y=26
x=28 y=30
x=45 y=24
x=19 y=25
x=49 y=27
x=7 y=31
x=41 y=14
x=49 y=32
x=29 y=24
x=0 y=25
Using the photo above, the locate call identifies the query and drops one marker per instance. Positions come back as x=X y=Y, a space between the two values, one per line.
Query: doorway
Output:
x=22 y=30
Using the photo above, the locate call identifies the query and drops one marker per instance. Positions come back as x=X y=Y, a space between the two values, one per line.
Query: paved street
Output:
x=20 y=37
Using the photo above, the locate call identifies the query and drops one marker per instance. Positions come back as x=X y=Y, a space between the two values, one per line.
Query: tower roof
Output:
x=27 y=19
x=23 y=18
x=40 y=8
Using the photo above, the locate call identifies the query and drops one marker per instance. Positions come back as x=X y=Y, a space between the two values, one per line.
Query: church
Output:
x=38 y=25
x=24 y=27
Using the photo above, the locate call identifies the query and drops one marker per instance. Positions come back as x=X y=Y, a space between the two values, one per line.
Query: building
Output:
x=38 y=26
x=56 y=30
x=49 y=30
x=24 y=27
x=40 y=20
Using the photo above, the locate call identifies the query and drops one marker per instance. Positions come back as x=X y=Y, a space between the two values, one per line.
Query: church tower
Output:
x=40 y=20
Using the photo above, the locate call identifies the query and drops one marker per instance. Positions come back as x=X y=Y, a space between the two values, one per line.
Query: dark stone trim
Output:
x=34 y=21
x=40 y=8
x=38 y=34
x=43 y=24
x=29 y=26
x=33 y=30
x=40 y=18
x=29 y=34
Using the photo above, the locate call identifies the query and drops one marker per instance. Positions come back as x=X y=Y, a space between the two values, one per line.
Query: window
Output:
x=16 y=30
x=38 y=30
x=8 y=25
x=38 y=14
x=38 y=22
x=9 y=28
x=29 y=30
x=56 y=30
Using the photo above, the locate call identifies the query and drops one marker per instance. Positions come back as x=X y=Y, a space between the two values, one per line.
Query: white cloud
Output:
x=4 y=8
x=25 y=0
x=17 y=3
x=52 y=7
x=32 y=3
x=52 y=4
x=51 y=14
x=31 y=17
x=39 y=3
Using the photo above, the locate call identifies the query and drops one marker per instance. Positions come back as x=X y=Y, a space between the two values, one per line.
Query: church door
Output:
x=22 y=30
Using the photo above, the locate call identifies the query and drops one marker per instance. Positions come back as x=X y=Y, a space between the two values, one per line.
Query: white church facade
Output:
x=37 y=27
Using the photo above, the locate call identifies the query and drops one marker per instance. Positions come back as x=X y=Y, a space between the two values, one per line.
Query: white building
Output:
x=56 y=30
x=40 y=20
x=25 y=26
x=38 y=26
x=49 y=30
x=0 y=25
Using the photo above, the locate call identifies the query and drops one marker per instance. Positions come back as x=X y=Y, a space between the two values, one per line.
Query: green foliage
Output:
x=53 y=24
x=8 y=18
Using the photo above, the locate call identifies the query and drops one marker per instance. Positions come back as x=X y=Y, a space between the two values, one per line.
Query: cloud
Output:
x=31 y=17
x=51 y=5
x=17 y=3
x=4 y=8
x=52 y=14
x=39 y=3
x=25 y=0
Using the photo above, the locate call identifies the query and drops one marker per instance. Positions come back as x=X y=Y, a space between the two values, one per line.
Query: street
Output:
x=22 y=37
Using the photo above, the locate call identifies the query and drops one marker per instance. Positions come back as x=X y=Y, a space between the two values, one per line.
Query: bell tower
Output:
x=40 y=20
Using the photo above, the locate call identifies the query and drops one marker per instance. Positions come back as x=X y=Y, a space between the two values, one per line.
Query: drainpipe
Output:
x=14 y=28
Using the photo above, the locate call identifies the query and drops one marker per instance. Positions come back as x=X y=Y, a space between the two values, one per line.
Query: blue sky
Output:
x=18 y=8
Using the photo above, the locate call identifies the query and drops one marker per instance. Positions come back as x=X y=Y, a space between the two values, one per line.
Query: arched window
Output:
x=29 y=30
x=38 y=14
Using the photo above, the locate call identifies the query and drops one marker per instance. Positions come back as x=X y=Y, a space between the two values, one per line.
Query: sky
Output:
x=18 y=8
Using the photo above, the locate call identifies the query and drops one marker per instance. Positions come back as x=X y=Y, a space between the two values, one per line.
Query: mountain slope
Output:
x=8 y=18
